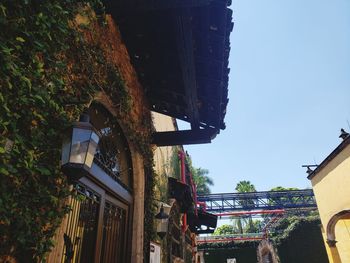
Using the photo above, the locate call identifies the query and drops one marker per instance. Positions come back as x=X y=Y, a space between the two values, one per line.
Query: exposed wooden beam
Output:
x=144 y=6
x=185 y=45
x=171 y=138
x=159 y=96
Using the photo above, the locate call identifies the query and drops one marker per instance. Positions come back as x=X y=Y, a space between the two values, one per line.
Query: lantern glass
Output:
x=78 y=149
x=80 y=144
x=162 y=222
x=162 y=227
x=92 y=149
x=65 y=150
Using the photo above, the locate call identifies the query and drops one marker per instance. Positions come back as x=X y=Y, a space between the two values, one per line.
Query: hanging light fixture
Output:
x=162 y=222
x=78 y=149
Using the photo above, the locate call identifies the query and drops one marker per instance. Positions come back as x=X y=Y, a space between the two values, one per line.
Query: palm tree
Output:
x=202 y=181
x=245 y=187
x=200 y=177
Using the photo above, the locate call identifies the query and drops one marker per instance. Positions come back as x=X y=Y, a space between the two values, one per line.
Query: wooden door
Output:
x=81 y=231
x=96 y=229
x=114 y=234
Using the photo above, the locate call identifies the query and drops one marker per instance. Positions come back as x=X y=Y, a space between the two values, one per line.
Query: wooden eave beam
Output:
x=164 y=94
x=171 y=138
x=144 y=6
x=175 y=113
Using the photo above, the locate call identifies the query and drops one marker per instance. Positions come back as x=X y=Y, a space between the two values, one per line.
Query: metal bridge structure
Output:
x=230 y=238
x=266 y=200
x=274 y=204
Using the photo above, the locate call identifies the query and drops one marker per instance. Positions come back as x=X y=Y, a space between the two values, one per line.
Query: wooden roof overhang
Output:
x=180 y=51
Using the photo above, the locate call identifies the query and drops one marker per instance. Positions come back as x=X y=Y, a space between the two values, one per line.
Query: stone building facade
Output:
x=330 y=182
x=171 y=58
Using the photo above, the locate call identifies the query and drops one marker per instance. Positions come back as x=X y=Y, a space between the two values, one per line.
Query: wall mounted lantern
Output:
x=162 y=222
x=78 y=149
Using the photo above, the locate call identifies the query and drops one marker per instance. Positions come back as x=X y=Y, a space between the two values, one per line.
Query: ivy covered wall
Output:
x=55 y=58
x=302 y=243
x=220 y=252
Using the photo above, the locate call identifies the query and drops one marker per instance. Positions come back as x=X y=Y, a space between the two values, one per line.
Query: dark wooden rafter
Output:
x=154 y=5
x=212 y=59
x=184 y=137
x=185 y=45
x=180 y=50
x=158 y=5
x=168 y=97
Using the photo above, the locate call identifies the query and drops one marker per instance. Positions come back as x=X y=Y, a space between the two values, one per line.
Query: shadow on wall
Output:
x=303 y=245
x=245 y=253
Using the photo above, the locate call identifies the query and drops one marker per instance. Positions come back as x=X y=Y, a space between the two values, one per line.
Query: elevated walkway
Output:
x=273 y=204
x=266 y=200
x=229 y=238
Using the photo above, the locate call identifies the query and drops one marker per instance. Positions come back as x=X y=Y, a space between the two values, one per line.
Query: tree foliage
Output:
x=200 y=178
x=245 y=187
x=279 y=200
x=226 y=230
x=245 y=223
x=281 y=188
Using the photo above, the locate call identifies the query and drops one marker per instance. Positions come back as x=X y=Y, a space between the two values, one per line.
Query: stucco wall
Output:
x=163 y=155
x=342 y=233
x=331 y=187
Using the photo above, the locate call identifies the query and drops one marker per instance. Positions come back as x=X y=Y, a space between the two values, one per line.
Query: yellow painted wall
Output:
x=162 y=155
x=331 y=186
x=332 y=252
x=342 y=233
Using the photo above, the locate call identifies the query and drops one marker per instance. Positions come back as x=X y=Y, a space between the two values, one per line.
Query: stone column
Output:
x=138 y=215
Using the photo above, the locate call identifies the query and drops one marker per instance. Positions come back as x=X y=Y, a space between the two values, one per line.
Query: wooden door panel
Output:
x=82 y=226
x=114 y=237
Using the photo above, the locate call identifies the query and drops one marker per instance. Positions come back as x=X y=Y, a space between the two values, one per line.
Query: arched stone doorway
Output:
x=100 y=226
x=336 y=221
x=331 y=239
x=266 y=253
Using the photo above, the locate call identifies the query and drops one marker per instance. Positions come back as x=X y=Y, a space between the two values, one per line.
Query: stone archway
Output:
x=345 y=214
x=266 y=253
x=137 y=183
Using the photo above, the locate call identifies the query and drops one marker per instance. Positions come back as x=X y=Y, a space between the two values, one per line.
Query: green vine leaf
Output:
x=20 y=39
x=3 y=171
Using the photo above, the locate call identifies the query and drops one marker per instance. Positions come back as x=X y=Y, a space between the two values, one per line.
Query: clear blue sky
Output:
x=289 y=92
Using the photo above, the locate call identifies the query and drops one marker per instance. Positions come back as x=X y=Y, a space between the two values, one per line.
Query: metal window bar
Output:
x=114 y=227
x=81 y=230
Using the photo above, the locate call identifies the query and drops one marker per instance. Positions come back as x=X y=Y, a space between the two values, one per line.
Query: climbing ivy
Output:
x=150 y=211
x=304 y=236
x=290 y=225
x=48 y=74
